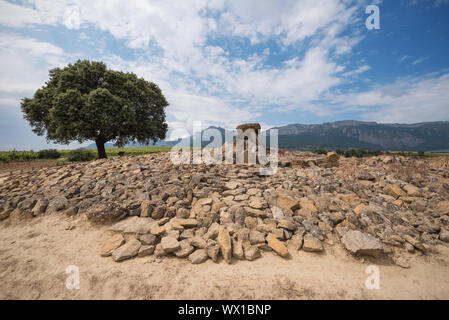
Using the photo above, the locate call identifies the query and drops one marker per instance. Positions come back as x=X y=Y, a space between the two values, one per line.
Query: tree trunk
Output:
x=100 y=148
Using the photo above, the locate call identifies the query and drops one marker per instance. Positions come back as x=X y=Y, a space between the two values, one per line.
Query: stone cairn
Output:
x=248 y=135
x=388 y=207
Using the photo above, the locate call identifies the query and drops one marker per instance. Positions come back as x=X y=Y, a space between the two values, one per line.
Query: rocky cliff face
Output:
x=429 y=136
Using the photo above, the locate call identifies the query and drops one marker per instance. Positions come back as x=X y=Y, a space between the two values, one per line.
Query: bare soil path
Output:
x=34 y=255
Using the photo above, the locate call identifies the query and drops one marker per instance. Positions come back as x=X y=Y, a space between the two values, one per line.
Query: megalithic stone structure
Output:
x=248 y=137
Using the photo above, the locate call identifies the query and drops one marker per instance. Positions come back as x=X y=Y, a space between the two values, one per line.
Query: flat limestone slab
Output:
x=134 y=225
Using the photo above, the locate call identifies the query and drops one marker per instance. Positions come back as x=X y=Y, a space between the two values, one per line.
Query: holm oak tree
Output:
x=86 y=101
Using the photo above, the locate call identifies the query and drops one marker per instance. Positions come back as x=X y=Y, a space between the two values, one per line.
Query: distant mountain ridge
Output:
x=347 y=134
x=425 y=136
x=162 y=143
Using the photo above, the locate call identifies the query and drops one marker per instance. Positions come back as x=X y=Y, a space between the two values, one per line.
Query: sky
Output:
x=227 y=62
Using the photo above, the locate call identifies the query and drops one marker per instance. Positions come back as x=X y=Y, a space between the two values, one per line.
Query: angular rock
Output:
x=256 y=237
x=148 y=239
x=213 y=250
x=40 y=207
x=296 y=242
x=312 y=244
x=57 y=204
x=4 y=214
x=443 y=208
x=444 y=235
x=357 y=242
x=256 y=212
x=277 y=213
x=169 y=244
x=198 y=256
x=224 y=242
x=184 y=250
x=286 y=224
x=332 y=157
x=237 y=249
x=111 y=244
x=412 y=191
x=198 y=242
x=256 y=202
x=231 y=185
x=159 y=251
x=414 y=242
x=277 y=245
x=146 y=251
x=133 y=225
x=146 y=208
x=394 y=190
x=252 y=253
x=286 y=202
x=129 y=250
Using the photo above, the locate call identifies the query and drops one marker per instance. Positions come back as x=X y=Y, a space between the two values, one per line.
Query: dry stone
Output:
x=129 y=250
x=277 y=245
x=169 y=244
x=357 y=242
x=224 y=242
x=198 y=256
x=111 y=244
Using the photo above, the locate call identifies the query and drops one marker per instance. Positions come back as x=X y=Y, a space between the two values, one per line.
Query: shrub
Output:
x=18 y=156
x=81 y=155
x=49 y=154
x=320 y=151
x=360 y=153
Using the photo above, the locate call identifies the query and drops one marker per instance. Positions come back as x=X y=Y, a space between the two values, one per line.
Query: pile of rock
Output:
x=378 y=206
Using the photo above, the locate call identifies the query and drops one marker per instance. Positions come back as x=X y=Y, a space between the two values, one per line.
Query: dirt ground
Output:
x=34 y=255
x=6 y=167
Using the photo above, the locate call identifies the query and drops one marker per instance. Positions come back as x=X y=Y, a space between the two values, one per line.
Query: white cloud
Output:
x=411 y=99
x=420 y=60
x=359 y=70
x=203 y=81
x=12 y=15
x=24 y=63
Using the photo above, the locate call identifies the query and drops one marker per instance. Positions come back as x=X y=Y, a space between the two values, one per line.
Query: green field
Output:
x=131 y=151
x=12 y=156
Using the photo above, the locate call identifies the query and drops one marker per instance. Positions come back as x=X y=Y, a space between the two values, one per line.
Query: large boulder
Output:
x=357 y=242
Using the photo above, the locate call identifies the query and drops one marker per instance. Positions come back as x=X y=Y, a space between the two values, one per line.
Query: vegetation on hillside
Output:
x=75 y=155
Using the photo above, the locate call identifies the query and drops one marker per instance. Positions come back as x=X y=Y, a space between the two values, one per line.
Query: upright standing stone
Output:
x=244 y=133
x=224 y=241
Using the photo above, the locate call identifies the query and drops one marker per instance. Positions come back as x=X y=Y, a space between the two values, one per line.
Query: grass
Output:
x=21 y=156
x=360 y=153
x=135 y=151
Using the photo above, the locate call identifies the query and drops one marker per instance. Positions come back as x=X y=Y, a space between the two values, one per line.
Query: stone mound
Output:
x=378 y=206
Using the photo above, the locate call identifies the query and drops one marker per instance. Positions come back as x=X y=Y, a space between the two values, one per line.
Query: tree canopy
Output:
x=86 y=101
